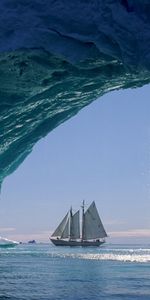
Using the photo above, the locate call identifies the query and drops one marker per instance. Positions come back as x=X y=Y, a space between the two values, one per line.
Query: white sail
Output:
x=65 y=233
x=59 y=230
x=92 y=225
x=75 y=226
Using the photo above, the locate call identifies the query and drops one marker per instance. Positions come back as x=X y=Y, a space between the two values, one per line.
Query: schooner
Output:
x=69 y=233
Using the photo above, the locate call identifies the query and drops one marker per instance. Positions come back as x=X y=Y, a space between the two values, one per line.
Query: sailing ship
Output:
x=92 y=230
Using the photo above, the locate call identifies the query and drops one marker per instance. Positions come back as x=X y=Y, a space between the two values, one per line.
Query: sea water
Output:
x=47 y=272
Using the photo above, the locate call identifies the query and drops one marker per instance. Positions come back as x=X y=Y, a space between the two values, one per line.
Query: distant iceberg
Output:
x=7 y=243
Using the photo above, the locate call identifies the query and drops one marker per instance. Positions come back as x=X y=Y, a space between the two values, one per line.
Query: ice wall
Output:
x=57 y=56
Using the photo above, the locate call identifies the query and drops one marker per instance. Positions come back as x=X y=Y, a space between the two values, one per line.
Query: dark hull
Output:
x=71 y=243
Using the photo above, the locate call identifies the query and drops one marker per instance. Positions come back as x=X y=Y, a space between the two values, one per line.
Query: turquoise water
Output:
x=47 y=272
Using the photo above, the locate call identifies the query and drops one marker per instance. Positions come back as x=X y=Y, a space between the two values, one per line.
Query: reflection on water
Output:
x=47 y=272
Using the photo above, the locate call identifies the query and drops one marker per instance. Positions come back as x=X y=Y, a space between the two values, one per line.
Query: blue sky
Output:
x=102 y=154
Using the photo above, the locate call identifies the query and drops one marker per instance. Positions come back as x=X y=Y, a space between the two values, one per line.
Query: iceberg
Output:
x=58 y=56
x=5 y=243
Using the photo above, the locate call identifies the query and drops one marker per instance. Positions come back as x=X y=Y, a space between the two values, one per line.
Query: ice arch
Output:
x=57 y=56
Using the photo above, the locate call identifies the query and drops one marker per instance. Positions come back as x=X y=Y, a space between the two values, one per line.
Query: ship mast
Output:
x=82 y=237
x=70 y=223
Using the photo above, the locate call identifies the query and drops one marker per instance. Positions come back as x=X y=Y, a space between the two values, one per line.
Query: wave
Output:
x=107 y=257
x=128 y=250
x=138 y=255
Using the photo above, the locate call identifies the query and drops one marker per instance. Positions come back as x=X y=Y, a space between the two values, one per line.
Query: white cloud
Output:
x=131 y=233
x=7 y=229
x=39 y=237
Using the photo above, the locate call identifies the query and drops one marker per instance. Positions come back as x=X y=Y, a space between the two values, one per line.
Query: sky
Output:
x=101 y=154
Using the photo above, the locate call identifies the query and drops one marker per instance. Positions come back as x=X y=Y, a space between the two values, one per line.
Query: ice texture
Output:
x=57 y=56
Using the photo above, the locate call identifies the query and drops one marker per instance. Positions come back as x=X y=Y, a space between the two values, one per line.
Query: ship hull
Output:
x=73 y=243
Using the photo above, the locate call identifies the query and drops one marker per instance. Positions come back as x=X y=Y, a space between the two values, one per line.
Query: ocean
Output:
x=46 y=272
